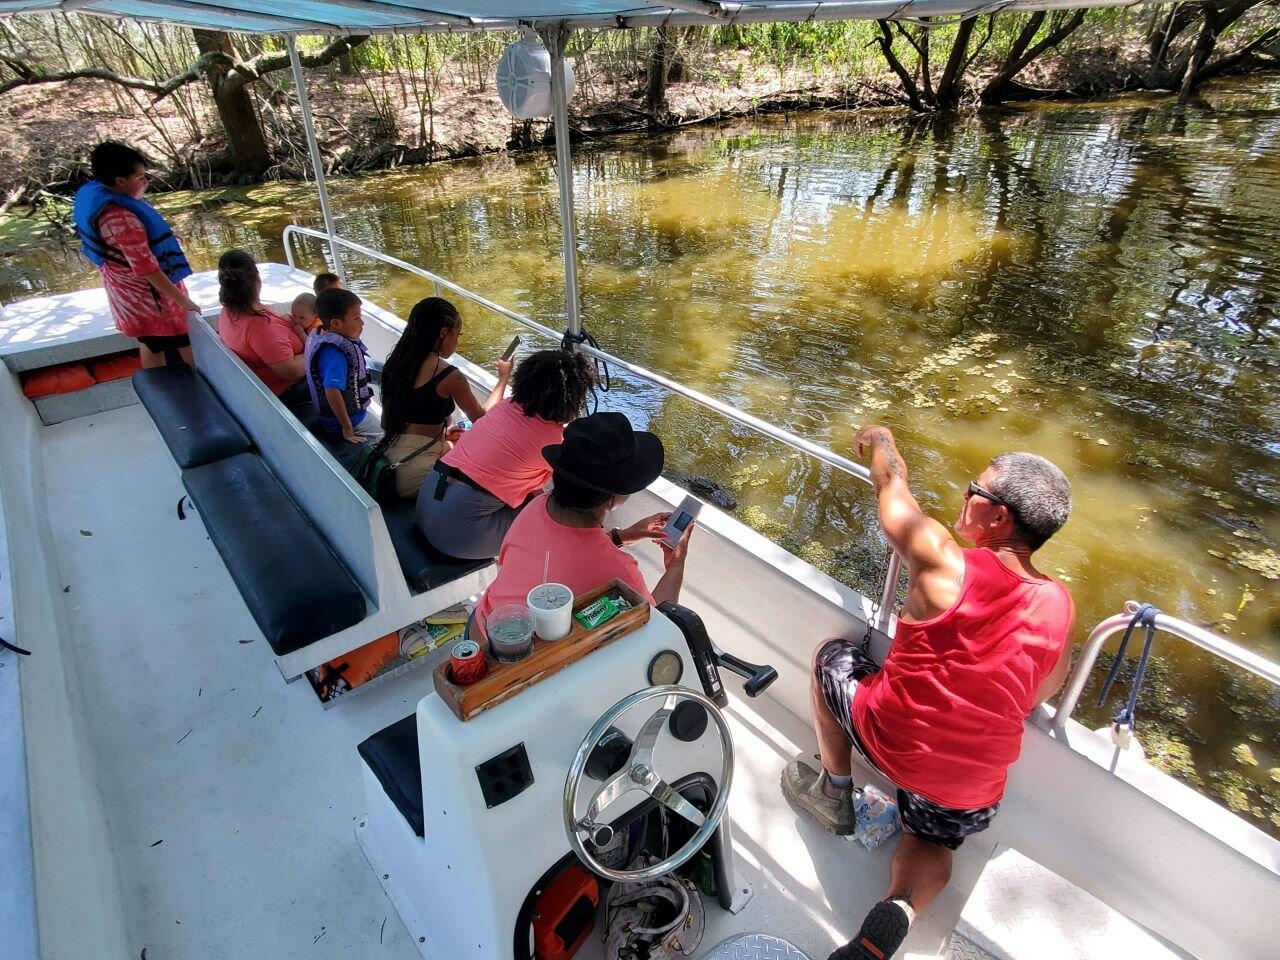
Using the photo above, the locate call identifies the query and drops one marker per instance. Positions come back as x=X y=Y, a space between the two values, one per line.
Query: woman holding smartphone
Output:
x=420 y=391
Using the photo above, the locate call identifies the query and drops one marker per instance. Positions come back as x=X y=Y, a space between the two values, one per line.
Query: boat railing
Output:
x=809 y=448
x=1207 y=640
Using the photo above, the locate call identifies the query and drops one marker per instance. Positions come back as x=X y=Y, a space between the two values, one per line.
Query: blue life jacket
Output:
x=357 y=392
x=93 y=198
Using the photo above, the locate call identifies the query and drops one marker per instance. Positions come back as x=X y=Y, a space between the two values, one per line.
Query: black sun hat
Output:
x=603 y=453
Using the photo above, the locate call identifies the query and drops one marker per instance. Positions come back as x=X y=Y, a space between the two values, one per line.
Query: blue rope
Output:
x=1146 y=618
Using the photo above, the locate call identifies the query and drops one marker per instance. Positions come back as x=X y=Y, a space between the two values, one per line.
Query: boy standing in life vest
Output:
x=140 y=260
x=338 y=375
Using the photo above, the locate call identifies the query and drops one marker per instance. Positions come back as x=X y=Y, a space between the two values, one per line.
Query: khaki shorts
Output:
x=411 y=473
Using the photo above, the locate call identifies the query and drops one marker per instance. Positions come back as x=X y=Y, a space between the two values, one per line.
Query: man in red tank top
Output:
x=982 y=640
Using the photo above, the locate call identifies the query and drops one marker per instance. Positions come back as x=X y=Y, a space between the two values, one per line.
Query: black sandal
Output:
x=881 y=935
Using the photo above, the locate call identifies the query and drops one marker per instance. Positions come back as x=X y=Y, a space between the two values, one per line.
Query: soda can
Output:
x=467 y=663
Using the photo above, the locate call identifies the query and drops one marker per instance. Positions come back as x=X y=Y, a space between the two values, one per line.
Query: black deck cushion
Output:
x=195 y=425
x=294 y=586
x=425 y=567
x=392 y=756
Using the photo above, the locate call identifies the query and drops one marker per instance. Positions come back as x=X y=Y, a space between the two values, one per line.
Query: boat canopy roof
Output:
x=447 y=16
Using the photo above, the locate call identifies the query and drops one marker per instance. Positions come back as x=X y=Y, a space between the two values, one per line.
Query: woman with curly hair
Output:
x=267 y=342
x=482 y=484
x=420 y=391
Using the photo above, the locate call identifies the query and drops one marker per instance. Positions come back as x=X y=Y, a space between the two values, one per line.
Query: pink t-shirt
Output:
x=503 y=452
x=582 y=558
x=260 y=339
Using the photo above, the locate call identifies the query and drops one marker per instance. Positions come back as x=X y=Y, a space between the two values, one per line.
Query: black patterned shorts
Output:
x=839 y=665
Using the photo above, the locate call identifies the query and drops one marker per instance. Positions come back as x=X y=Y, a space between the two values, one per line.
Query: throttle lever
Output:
x=759 y=676
x=708 y=658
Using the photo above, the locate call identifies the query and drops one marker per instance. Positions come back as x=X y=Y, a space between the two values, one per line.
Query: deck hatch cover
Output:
x=504 y=776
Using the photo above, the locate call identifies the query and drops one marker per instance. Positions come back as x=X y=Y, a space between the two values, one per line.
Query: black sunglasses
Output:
x=977 y=491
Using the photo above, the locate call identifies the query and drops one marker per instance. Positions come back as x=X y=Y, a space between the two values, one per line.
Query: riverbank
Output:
x=374 y=120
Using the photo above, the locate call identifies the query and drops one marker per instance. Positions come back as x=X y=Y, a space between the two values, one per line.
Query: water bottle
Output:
x=875 y=816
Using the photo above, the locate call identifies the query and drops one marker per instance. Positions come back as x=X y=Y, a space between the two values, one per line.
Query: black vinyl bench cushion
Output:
x=392 y=756
x=193 y=422
x=424 y=567
x=296 y=589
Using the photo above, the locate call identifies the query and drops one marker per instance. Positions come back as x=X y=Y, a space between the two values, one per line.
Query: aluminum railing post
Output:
x=889 y=595
x=556 y=38
x=317 y=163
x=1204 y=639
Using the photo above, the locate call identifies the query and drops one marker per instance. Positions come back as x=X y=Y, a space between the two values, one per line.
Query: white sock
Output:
x=839 y=782
x=906 y=908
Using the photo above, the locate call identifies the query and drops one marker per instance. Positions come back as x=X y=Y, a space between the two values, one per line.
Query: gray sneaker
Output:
x=802 y=786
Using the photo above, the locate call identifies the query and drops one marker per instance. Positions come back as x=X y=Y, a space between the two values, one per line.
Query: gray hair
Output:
x=1037 y=492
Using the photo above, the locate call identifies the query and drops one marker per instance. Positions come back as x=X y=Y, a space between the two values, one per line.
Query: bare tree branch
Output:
x=986 y=38
x=242 y=72
x=1260 y=44
x=1021 y=54
x=1216 y=20
x=908 y=85
x=1054 y=37
x=28 y=76
x=952 y=74
x=255 y=68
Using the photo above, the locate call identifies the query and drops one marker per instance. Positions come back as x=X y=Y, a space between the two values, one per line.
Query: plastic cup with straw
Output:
x=551 y=605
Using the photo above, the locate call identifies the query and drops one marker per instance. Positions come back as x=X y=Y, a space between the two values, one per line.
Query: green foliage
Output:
x=817 y=46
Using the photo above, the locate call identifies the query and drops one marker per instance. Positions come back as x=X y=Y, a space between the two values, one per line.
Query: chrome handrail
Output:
x=1202 y=638
x=807 y=447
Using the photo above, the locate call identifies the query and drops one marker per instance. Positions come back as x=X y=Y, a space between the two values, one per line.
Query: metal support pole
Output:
x=889 y=596
x=317 y=164
x=555 y=39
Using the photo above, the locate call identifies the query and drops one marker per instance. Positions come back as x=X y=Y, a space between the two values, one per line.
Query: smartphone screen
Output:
x=511 y=348
x=679 y=521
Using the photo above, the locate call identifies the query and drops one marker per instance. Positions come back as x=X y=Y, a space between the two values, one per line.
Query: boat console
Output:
x=469 y=822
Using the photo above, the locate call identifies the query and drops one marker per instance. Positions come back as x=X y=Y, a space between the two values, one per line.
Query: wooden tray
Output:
x=505 y=680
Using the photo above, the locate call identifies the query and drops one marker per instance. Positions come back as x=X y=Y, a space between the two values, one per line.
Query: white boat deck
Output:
x=232 y=797
x=74 y=326
x=215 y=807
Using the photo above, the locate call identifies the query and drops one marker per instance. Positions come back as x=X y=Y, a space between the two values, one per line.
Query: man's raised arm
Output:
x=922 y=542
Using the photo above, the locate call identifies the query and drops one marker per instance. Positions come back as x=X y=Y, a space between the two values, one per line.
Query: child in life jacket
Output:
x=303 y=313
x=338 y=376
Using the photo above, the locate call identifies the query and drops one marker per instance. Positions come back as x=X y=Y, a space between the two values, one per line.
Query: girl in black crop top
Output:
x=420 y=391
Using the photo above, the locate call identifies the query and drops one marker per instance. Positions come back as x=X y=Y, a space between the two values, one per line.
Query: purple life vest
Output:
x=357 y=392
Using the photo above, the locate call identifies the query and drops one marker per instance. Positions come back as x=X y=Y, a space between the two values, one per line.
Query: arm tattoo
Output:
x=889 y=456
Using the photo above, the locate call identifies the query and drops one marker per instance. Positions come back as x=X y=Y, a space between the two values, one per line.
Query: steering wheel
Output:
x=638 y=774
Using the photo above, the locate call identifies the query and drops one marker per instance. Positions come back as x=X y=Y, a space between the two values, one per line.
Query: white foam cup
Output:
x=552 y=607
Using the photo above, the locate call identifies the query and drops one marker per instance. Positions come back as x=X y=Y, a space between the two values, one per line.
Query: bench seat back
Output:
x=327 y=494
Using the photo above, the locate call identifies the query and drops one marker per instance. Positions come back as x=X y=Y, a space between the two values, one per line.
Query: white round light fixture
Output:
x=524 y=79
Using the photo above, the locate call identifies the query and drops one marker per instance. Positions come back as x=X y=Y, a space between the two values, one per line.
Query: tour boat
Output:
x=183 y=558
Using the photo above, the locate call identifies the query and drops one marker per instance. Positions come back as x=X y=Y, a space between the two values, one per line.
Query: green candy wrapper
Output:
x=598 y=612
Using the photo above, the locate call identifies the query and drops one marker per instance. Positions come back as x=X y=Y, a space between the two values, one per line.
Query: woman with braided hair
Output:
x=482 y=484
x=420 y=391
x=267 y=342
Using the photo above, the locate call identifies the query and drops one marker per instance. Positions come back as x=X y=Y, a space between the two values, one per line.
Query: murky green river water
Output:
x=1094 y=282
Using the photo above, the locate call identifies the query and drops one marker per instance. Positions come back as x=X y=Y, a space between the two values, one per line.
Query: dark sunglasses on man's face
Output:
x=977 y=491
